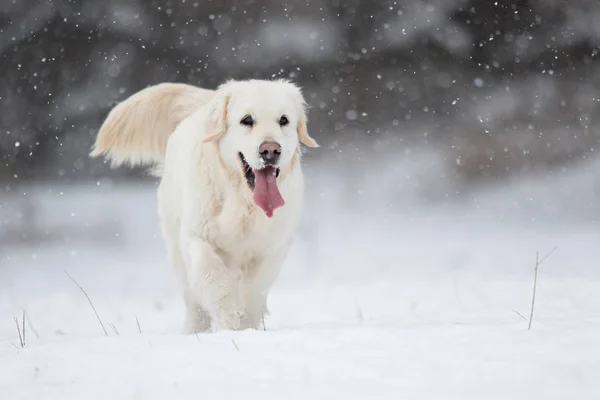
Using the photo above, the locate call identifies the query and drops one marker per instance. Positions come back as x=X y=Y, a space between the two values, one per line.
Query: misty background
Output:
x=416 y=104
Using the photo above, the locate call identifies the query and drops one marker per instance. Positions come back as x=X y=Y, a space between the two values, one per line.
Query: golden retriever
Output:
x=231 y=186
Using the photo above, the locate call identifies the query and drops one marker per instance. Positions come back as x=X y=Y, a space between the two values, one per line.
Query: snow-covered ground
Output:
x=403 y=299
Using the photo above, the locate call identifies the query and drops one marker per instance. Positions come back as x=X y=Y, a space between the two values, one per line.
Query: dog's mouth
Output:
x=249 y=172
x=263 y=182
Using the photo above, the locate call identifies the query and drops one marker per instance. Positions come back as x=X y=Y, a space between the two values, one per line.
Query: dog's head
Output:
x=259 y=126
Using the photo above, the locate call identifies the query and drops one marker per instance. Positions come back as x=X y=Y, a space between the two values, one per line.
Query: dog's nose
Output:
x=270 y=152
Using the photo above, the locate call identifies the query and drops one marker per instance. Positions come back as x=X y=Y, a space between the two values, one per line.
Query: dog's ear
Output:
x=301 y=106
x=303 y=132
x=216 y=122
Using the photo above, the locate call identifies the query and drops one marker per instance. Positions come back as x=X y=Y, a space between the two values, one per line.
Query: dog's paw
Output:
x=195 y=325
x=231 y=317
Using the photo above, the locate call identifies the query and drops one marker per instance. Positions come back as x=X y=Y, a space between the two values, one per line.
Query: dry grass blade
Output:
x=23 y=327
x=19 y=332
x=112 y=326
x=32 y=328
x=519 y=314
x=138 y=324
x=235 y=344
x=89 y=300
x=547 y=255
x=538 y=262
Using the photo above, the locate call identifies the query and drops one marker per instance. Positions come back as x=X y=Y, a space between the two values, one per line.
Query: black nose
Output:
x=270 y=152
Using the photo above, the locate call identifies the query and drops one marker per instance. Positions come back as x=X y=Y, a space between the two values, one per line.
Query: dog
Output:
x=231 y=186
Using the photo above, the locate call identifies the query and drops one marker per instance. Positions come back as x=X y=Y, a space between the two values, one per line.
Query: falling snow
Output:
x=457 y=139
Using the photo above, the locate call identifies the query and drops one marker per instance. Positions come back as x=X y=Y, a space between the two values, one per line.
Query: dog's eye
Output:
x=247 y=120
x=283 y=121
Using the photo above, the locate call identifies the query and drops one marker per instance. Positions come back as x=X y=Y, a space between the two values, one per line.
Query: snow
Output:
x=439 y=361
x=420 y=302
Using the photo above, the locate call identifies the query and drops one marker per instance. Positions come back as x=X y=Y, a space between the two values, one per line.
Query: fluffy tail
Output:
x=136 y=131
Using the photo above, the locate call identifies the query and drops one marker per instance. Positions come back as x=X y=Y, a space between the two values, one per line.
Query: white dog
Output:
x=231 y=186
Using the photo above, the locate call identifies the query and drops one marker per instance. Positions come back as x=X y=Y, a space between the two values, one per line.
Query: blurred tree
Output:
x=498 y=86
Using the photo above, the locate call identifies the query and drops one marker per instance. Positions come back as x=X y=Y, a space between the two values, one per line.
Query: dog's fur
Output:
x=226 y=252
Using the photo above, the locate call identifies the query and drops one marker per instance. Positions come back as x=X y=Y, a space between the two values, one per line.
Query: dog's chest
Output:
x=250 y=232
x=239 y=226
x=246 y=229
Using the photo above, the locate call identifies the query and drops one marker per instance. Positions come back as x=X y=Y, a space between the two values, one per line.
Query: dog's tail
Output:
x=136 y=131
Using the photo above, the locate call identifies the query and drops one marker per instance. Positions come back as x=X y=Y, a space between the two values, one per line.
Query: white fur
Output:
x=225 y=251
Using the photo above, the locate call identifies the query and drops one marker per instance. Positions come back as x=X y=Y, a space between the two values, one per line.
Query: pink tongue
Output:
x=266 y=192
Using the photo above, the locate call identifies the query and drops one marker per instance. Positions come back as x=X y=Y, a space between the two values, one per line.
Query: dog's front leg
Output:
x=215 y=285
x=258 y=285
